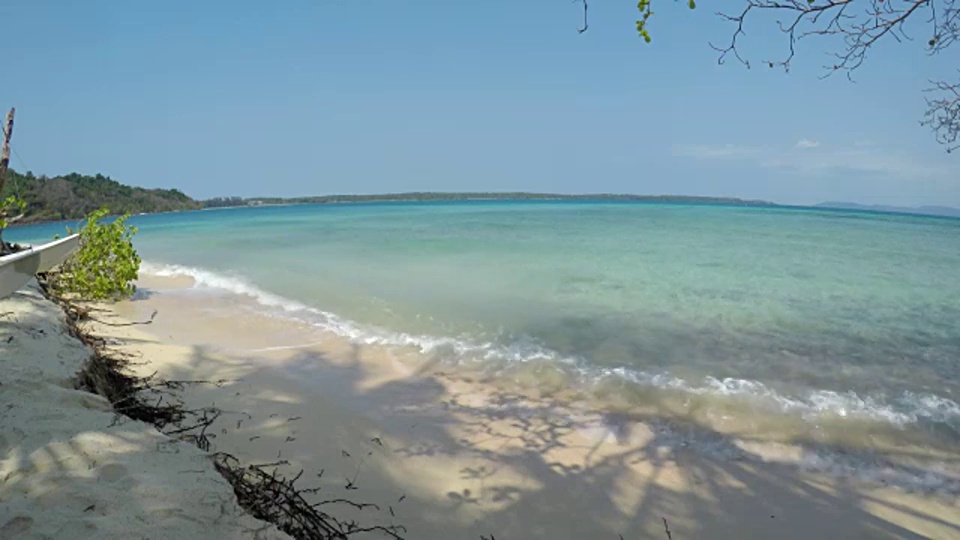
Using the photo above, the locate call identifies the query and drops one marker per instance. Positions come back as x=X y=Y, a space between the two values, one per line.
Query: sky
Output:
x=312 y=97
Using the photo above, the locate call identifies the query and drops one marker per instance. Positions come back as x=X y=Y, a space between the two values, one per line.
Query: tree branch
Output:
x=583 y=29
x=858 y=25
x=943 y=114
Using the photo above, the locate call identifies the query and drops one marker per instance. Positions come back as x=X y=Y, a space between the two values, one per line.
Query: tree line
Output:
x=73 y=196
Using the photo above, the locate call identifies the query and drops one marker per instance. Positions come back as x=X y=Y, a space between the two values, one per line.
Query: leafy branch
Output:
x=106 y=264
x=11 y=211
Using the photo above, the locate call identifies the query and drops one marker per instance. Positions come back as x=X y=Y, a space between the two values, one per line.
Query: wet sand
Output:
x=454 y=455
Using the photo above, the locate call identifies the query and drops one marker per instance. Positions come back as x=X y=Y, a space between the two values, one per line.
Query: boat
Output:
x=17 y=269
x=54 y=253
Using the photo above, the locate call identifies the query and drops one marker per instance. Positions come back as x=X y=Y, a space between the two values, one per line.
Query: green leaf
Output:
x=105 y=265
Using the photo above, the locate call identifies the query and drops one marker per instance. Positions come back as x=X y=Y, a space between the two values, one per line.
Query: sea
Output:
x=780 y=324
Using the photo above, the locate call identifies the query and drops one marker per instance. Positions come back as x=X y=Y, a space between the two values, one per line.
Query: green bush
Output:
x=105 y=265
x=11 y=206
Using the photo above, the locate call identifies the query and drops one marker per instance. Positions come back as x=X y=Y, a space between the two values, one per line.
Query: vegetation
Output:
x=852 y=27
x=106 y=264
x=479 y=196
x=10 y=208
x=73 y=196
x=224 y=202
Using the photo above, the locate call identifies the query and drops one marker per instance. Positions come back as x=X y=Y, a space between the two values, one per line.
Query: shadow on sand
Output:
x=525 y=468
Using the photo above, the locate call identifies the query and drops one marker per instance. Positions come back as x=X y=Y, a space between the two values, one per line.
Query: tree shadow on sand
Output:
x=516 y=467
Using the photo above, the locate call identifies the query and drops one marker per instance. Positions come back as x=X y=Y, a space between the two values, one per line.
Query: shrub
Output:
x=105 y=265
x=11 y=206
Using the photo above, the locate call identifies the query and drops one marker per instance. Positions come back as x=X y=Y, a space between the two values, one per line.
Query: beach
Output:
x=479 y=271
x=71 y=468
x=450 y=455
x=567 y=369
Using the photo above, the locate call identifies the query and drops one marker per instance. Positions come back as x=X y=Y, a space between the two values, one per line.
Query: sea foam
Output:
x=903 y=409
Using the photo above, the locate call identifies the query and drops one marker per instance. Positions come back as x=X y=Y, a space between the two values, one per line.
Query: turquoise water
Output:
x=818 y=315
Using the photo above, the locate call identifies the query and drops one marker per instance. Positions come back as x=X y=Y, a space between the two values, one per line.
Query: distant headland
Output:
x=431 y=196
x=72 y=196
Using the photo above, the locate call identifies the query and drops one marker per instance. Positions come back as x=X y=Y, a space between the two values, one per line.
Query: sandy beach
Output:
x=70 y=468
x=451 y=455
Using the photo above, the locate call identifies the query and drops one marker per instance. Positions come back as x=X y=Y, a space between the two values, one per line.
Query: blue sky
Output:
x=308 y=97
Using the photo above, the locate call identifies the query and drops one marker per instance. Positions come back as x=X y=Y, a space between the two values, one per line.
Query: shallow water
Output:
x=840 y=327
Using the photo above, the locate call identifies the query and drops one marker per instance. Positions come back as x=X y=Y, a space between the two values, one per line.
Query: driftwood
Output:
x=273 y=498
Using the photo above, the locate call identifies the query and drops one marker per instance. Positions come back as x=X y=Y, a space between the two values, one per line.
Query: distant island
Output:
x=225 y=202
x=945 y=211
x=73 y=196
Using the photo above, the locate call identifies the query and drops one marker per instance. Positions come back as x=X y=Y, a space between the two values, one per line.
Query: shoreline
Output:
x=449 y=455
x=425 y=197
x=79 y=220
x=443 y=453
x=822 y=428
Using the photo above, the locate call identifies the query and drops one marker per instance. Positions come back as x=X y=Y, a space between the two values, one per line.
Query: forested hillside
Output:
x=73 y=196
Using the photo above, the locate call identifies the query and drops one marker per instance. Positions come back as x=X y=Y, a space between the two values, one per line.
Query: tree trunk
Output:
x=4 y=163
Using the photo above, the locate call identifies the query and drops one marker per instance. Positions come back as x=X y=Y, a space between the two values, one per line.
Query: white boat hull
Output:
x=18 y=269
x=56 y=252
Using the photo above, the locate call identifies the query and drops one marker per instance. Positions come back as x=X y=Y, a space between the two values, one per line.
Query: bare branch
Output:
x=666 y=528
x=583 y=29
x=943 y=114
x=858 y=25
x=276 y=499
x=732 y=48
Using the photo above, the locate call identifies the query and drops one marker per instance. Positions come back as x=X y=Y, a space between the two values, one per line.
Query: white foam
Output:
x=908 y=408
x=234 y=284
x=905 y=409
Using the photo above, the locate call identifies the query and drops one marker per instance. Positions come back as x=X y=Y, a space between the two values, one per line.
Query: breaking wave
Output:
x=902 y=409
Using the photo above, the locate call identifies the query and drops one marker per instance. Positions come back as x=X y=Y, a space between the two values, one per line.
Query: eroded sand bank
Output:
x=69 y=468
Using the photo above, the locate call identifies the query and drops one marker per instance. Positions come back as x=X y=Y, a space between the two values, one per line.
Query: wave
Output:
x=213 y=280
x=906 y=408
x=909 y=407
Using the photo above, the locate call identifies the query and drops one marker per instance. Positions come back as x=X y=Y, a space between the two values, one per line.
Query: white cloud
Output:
x=854 y=159
x=810 y=157
x=713 y=151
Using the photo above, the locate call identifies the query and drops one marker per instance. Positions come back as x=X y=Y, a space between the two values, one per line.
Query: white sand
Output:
x=469 y=458
x=67 y=472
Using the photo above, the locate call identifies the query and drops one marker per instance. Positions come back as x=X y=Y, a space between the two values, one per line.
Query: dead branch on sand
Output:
x=273 y=498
